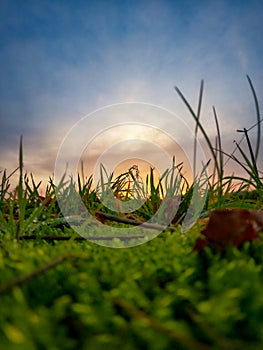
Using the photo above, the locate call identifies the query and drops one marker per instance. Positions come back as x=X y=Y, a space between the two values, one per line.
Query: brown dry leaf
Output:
x=231 y=226
x=258 y=217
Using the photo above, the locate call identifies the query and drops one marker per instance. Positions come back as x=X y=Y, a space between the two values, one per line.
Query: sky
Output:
x=62 y=60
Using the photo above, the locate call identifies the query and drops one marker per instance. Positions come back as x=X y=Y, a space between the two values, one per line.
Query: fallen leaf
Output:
x=230 y=226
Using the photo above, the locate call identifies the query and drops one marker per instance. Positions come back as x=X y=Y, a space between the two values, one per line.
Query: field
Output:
x=200 y=289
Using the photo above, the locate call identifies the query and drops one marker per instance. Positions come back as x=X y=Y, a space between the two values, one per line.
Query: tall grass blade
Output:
x=21 y=201
x=258 y=117
x=201 y=91
x=221 y=156
x=200 y=126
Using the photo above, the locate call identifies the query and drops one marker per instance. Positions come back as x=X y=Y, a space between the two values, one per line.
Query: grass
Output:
x=59 y=291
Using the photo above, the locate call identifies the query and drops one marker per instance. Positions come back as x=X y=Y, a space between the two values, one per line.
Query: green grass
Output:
x=161 y=295
x=60 y=292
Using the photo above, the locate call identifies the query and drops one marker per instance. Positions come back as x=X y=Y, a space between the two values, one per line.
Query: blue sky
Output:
x=61 y=60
